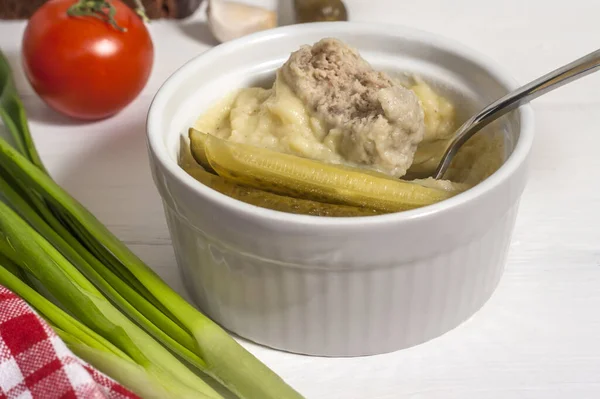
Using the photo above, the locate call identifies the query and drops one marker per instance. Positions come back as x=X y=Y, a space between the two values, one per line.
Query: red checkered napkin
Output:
x=36 y=364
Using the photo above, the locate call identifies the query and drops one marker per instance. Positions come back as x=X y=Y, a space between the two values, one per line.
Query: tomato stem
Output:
x=103 y=10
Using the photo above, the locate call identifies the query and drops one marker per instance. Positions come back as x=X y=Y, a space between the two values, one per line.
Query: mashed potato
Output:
x=271 y=118
x=328 y=104
x=277 y=119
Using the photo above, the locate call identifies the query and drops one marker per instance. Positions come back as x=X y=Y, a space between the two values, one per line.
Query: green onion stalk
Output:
x=29 y=250
x=144 y=313
x=92 y=347
x=97 y=279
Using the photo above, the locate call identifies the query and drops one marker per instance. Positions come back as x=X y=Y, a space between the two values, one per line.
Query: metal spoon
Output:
x=553 y=80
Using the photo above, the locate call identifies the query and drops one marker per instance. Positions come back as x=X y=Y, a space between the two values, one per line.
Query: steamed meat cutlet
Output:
x=379 y=122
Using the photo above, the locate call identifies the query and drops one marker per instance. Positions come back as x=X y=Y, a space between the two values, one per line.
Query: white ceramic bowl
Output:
x=338 y=286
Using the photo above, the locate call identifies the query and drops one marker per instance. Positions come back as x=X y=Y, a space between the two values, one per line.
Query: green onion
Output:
x=90 y=346
x=143 y=313
x=132 y=375
x=13 y=114
x=127 y=316
x=30 y=251
x=52 y=313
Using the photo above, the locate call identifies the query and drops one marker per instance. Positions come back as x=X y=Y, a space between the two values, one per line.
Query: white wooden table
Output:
x=539 y=335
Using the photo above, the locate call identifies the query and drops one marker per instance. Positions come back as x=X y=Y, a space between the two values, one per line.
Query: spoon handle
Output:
x=553 y=80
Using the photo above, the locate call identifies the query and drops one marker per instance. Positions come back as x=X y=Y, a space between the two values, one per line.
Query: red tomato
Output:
x=83 y=66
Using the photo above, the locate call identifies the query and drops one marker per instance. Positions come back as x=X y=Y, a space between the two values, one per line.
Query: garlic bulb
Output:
x=229 y=20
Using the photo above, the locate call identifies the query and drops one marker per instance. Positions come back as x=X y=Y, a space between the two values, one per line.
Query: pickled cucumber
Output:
x=313 y=180
x=198 y=150
x=262 y=198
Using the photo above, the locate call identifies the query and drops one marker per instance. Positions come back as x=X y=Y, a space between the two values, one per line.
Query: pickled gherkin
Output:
x=303 y=178
x=198 y=151
x=261 y=198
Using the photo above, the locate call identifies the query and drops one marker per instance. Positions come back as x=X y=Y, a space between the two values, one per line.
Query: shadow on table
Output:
x=14 y=60
x=38 y=111
x=199 y=31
